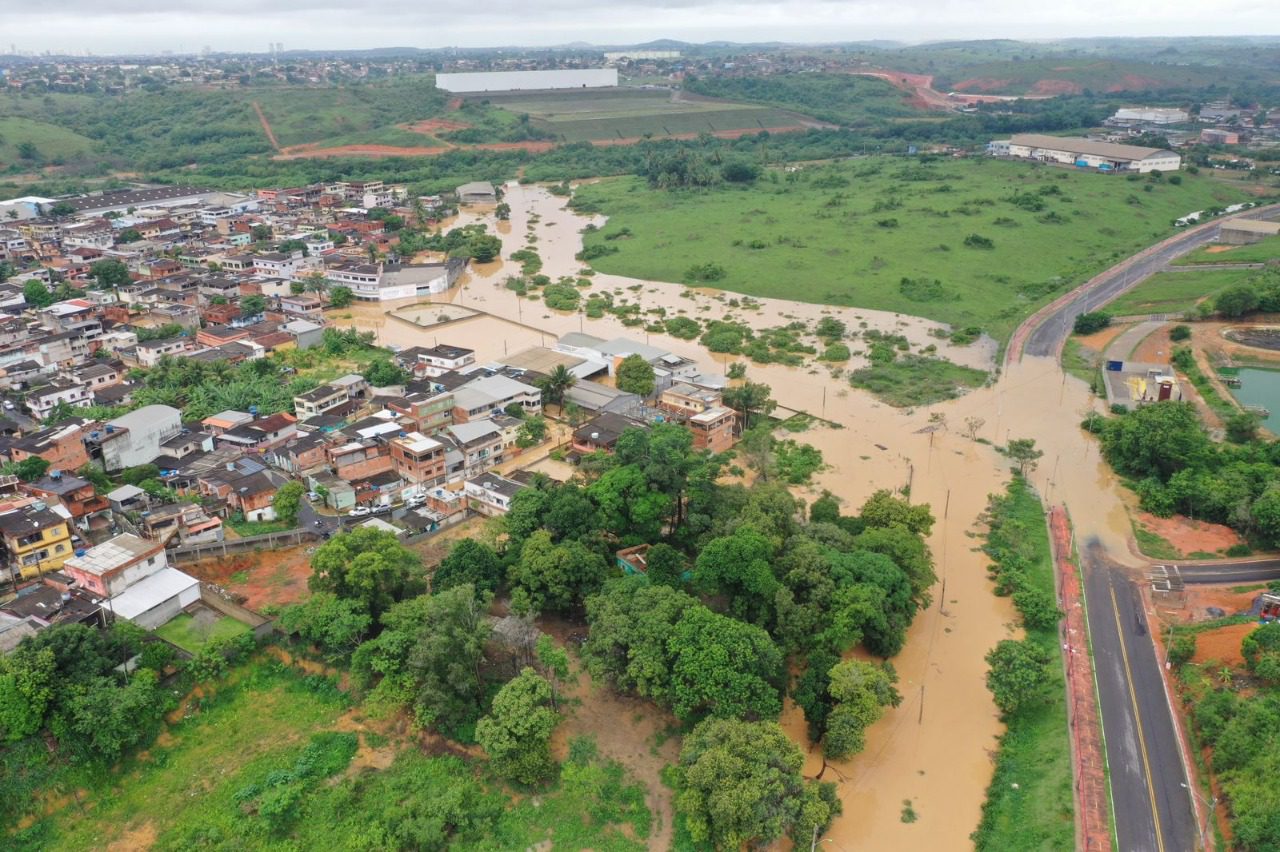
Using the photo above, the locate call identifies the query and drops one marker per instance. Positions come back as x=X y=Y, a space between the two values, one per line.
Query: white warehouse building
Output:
x=516 y=81
x=1086 y=153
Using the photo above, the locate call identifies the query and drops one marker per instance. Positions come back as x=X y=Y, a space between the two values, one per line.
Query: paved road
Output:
x=1152 y=807
x=1235 y=571
x=1047 y=338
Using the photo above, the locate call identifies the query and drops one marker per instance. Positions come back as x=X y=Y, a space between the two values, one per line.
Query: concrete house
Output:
x=135 y=574
x=135 y=438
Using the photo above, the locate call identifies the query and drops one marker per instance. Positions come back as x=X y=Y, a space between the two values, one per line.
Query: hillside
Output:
x=26 y=143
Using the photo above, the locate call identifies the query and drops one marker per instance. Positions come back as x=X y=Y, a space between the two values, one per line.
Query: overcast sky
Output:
x=126 y=26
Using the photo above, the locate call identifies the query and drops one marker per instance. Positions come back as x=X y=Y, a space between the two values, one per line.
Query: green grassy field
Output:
x=1092 y=73
x=1029 y=804
x=52 y=143
x=186 y=634
x=1176 y=292
x=914 y=380
x=848 y=233
x=1260 y=252
x=627 y=113
x=271 y=760
x=843 y=99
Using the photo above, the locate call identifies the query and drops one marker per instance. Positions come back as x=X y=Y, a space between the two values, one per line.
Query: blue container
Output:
x=1115 y=366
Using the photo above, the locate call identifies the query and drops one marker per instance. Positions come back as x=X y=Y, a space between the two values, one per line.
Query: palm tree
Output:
x=556 y=383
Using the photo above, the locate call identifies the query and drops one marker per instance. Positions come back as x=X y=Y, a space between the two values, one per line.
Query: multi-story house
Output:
x=418 y=458
x=42 y=401
x=35 y=540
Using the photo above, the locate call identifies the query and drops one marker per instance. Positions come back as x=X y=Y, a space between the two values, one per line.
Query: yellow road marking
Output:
x=1137 y=719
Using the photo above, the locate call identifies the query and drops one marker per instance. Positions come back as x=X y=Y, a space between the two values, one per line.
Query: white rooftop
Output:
x=122 y=550
x=150 y=592
x=125 y=492
x=416 y=442
x=379 y=524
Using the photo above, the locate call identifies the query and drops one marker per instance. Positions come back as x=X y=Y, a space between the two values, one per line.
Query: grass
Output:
x=848 y=233
x=274 y=736
x=1081 y=73
x=184 y=632
x=913 y=380
x=244 y=529
x=1079 y=362
x=1153 y=545
x=1260 y=252
x=1176 y=292
x=628 y=113
x=53 y=143
x=1034 y=753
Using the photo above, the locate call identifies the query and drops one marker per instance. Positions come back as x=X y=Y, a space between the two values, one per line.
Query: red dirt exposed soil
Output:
x=1188 y=536
x=981 y=84
x=266 y=125
x=431 y=125
x=1222 y=645
x=1155 y=348
x=1056 y=87
x=1100 y=340
x=272 y=576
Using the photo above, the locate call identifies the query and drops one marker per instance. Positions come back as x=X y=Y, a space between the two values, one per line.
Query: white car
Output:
x=8 y=405
x=414 y=502
x=358 y=512
x=381 y=509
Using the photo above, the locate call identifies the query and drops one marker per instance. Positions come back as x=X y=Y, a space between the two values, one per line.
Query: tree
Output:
x=1180 y=333
x=287 y=499
x=556 y=383
x=629 y=507
x=1088 y=323
x=664 y=565
x=340 y=297
x=367 y=565
x=336 y=625
x=37 y=295
x=532 y=432
x=740 y=568
x=1156 y=440
x=27 y=679
x=110 y=273
x=129 y=235
x=1242 y=427
x=62 y=210
x=502 y=211
x=973 y=425
x=860 y=691
x=111 y=718
x=635 y=375
x=1024 y=452
x=1236 y=301
x=444 y=662
x=882 y=509
x=1018 y=674
x=1261 y=651
x=723 y=667
x=383 y=372
x=253 y=304
x=517 y=732
x=29 y=469
x=1265 y=512
x=554 y=577
x=750 y=399
x=740 y=784
x=472 y=562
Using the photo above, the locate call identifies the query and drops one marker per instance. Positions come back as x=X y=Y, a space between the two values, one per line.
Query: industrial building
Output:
x=520 y=81
x=1086 y=153
x=1239 y=232
x=1150 y=115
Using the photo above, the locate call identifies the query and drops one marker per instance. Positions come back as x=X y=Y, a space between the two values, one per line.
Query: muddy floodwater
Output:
x=935 y=749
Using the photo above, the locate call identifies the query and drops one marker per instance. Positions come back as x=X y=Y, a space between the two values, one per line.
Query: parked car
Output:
x=358 y=512
x=414 y=502
x=381 y=509
x=313 y=496
x=8 y=405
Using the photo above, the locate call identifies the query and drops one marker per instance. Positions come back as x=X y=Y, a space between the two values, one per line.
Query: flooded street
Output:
x=935 y=749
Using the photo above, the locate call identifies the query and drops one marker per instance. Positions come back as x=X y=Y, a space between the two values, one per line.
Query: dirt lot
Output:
x=1188 y=536
x=269 y=577
x=1222 y=645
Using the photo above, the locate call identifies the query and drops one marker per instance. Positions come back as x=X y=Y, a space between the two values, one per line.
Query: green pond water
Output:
x=1259 y=387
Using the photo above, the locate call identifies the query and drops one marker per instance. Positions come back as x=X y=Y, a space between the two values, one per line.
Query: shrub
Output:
x=1180 y=332
x=977 y=241
x=1090 y=322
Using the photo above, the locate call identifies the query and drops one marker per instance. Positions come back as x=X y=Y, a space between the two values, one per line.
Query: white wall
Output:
x=508 y=81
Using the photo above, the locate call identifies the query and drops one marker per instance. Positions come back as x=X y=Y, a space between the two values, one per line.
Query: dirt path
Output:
x=266 y=125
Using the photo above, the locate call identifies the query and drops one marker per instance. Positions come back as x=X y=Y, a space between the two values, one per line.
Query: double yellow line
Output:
x=1137 y=719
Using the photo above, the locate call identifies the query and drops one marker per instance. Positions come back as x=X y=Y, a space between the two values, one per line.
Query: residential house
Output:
x=602 y=432
x=302 y=306
x=43 y=401
x=147 y=353
x=35 y=539
x=78 y=496
x=305 y=333
x=262 y=434
x=491 y=494
x=135 y=574
x=187 y=522
x=223 y=421
x=435 y=360
x=429 y=413
x=418 y=458
x=713 y=429
x=327 y=398
x=481 y=442
x=62 y=446
x=489 y=395
x=134 y=438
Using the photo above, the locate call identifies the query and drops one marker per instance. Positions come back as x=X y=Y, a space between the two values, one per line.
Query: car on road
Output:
x=380 y=509
x=313 y=496
x=358 y=512
x=8 y=405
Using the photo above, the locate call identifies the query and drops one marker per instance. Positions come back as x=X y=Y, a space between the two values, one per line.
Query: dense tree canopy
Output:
x=367 y=565
x=516 y=734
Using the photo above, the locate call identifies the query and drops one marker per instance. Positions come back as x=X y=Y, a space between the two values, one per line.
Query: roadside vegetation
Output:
x=1029 y=799
x=970 y=242
x=1178 y=293
x=1259 y=252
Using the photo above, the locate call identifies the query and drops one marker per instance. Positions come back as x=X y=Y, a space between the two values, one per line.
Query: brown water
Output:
x=935 y=749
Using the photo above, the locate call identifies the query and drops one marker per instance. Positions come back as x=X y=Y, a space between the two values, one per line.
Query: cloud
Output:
x=127 y=26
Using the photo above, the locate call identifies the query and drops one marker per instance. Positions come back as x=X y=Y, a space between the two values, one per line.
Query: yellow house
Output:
x=35 y=540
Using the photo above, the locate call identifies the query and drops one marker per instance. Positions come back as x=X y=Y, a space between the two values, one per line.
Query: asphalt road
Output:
x=1152 y=807
x=1047 y=338
x=1236 y=571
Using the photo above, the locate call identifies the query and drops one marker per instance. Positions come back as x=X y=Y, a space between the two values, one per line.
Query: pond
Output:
x=1258 y=388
